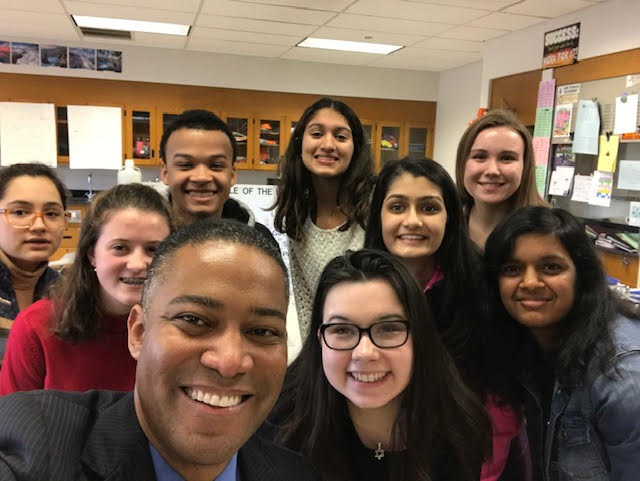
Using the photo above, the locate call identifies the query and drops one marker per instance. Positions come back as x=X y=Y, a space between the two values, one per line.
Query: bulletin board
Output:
x=604 y=91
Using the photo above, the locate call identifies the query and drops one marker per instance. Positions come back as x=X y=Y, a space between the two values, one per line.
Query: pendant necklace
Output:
x=379 y=452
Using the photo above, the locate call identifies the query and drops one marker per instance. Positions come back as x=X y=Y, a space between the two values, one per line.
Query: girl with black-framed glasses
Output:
x=362 y=401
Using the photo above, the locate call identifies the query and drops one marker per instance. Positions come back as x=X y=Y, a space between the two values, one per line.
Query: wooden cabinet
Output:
x=621 y=266
x=261 y=120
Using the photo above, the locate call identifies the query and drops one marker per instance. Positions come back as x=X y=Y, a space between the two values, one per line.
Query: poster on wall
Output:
x=25 y=53
x=562 y=122
x=561 y=46
x=53 y=56
x=5 y=52
x=84 y=58
x=110 y=60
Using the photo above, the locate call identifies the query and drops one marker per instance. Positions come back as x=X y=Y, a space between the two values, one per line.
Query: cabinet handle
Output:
x=153 y=153
x=625 y=260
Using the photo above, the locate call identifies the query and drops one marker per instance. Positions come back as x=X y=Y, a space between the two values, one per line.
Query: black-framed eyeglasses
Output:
x=344 y=336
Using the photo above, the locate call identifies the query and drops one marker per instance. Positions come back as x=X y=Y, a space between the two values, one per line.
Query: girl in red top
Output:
x=77 y=339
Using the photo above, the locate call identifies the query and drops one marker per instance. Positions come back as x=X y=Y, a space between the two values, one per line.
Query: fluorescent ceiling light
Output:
x=366 y=47
x=131 y=25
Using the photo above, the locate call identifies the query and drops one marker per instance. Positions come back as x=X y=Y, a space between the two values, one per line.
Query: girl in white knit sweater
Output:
x=323 y=196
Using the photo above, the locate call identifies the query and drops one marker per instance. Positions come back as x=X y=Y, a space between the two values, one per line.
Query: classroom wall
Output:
x=458 y=94
x=235 y=71
x=606 y=27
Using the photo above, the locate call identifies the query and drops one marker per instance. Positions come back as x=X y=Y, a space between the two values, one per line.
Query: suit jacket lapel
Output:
x=117 y=448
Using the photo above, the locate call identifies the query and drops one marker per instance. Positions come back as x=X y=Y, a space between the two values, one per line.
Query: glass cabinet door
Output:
x=141 y=135
x=239 y=126
x=389 y=143
x=417 y=142
x=269 y=142
x=63 y=133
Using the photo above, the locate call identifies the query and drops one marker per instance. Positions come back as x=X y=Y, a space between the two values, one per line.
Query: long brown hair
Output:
x=527 y=192
x=296 y=198
x=77 y=311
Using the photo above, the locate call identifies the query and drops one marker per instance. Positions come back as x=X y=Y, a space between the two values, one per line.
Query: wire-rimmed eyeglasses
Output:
x=343 y=336
x=23 y=218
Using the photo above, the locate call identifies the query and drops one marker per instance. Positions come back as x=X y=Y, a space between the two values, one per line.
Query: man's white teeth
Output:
x=368 y=377
x=214 y=399
x=138 y=281
x=412 y=237
x=200 y=193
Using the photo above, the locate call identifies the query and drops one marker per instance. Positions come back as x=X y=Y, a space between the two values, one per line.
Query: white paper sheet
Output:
x=28 y=133
x=626 y=114
x=629 y=174
x=581 y=188
x=95 y=137
x=561 y=180
x=586 y=136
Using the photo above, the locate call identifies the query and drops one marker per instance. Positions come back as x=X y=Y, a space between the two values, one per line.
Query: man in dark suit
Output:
x=210 y=341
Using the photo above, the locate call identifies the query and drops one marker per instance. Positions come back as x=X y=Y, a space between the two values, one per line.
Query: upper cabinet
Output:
x=262 y=122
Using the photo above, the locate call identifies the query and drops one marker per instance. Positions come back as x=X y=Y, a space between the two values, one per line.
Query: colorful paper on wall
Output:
x=546 y=90
x=568 y=94
x=585 y=138
x=626 y=114
x=560 y=183
x=629 y=175
x=581 y=188
x=541 y=150
x=562 y=122
x=608 y=153
x=601 y=188
x=563 y=155
x=544 y=119
x=541 y=178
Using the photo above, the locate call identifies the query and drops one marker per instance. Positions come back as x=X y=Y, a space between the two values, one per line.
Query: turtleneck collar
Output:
x=21 y=278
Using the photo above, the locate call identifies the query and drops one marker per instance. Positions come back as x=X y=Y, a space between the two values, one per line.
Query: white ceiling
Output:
x=437 y=34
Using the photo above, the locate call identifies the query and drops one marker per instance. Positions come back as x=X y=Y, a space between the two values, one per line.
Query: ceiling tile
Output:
x=249 y=25
x=37 y=25
x=359 y=36
x=229 y=8
x=505 y=21
x=473 y=33
x=328 y=56
x=415 y=11
x=253 y=37
x=419 y=60
x=437 y=43
x=235 y=48
x=547 y=8
x=181 y=6
x=332 y=5
x=32 y=6
x=131 y=13
x=491 y=5
x=389 y=25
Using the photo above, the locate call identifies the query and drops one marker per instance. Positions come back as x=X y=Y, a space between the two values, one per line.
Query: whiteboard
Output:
x=95 y=137
x=28 y=133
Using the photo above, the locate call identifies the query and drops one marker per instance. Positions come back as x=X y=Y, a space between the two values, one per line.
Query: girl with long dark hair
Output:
x=323 y=195
x=374 y=394
x=573 y=347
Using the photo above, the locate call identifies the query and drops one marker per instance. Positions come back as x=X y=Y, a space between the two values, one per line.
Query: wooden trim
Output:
x=610 y=65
